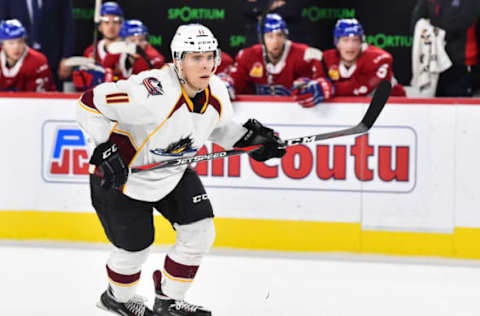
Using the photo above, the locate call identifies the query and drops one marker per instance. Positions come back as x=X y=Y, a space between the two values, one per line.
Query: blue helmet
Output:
x=347 y=27
x=273 y=22
x=132 y=28
x=112 y=8
x=11 y=29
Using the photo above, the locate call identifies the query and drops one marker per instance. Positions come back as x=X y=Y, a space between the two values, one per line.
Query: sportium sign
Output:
x=187 y=14
x=314 y=13
x=384 y=40
x=382 y=161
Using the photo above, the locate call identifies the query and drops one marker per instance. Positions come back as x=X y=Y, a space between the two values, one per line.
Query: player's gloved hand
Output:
x=310 y=92
x=110 y=166
x=88 y=77
x=228 y=80
x=273 y=146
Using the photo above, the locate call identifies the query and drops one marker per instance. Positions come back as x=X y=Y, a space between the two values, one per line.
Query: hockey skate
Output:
x=165 y=306
x=134 y=307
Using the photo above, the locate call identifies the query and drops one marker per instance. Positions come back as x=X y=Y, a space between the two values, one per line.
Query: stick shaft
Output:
x=96 y=23
x=376 y=106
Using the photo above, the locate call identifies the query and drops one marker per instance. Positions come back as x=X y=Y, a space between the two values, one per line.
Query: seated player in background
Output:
x=110 y=24
x=22 y=67
x=355 y=67
x=293 y=68
x=145 y=56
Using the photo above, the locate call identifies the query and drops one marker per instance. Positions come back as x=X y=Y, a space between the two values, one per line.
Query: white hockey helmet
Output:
x=194 y=38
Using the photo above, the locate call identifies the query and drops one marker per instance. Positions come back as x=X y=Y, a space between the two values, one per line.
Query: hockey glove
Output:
x=86 y=78
x=113 y=170
x=273 y=146
x=228 y=81
x=310 y=92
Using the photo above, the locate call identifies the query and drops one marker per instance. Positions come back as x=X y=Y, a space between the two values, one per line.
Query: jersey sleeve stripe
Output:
x=113 y=95
x=119 y=97
x=118 y=100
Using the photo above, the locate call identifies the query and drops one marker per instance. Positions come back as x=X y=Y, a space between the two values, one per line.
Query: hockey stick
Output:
x=379 y=100
x=266 y=59
x=96 y=23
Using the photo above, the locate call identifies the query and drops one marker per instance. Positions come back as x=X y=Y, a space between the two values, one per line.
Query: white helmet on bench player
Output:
x=193 y=38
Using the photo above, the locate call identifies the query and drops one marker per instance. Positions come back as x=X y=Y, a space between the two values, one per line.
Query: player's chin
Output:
x=277 y=52
x=350 y=57
x=111 y=35
x=202 y=82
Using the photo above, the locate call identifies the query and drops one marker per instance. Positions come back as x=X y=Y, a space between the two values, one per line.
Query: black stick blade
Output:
x=379 y=100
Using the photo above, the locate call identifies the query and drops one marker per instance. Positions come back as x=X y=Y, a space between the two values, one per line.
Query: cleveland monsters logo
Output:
x=177 y=149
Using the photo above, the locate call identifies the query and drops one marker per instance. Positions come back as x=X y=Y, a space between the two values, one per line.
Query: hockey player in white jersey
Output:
x=154 y=116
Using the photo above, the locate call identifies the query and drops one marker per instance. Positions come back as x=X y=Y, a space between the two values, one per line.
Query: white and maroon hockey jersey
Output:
x=156 y=120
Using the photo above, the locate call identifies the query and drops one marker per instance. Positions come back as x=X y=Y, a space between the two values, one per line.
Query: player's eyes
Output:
x=199 y=58
x=106 y=19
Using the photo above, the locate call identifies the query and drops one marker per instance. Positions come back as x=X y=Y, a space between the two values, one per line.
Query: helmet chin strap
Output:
x=188 y=87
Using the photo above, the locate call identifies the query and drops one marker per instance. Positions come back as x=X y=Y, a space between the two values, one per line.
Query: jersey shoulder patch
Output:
x=153 y=86
x=154 y=82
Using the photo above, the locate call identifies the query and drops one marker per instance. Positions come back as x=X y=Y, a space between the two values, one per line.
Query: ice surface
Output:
x=53 y=280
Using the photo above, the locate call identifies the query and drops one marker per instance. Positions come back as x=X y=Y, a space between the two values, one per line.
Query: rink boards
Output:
x=409 y=187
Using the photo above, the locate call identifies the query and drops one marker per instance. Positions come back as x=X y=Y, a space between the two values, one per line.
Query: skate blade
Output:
x=101 y=306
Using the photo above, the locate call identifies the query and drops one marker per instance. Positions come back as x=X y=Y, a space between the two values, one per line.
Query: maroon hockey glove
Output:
x=113 y=170
x=273 y=146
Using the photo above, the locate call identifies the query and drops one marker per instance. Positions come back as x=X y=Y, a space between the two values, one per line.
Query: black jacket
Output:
x=56 y=31
x=291 y=12
x=457 y=18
